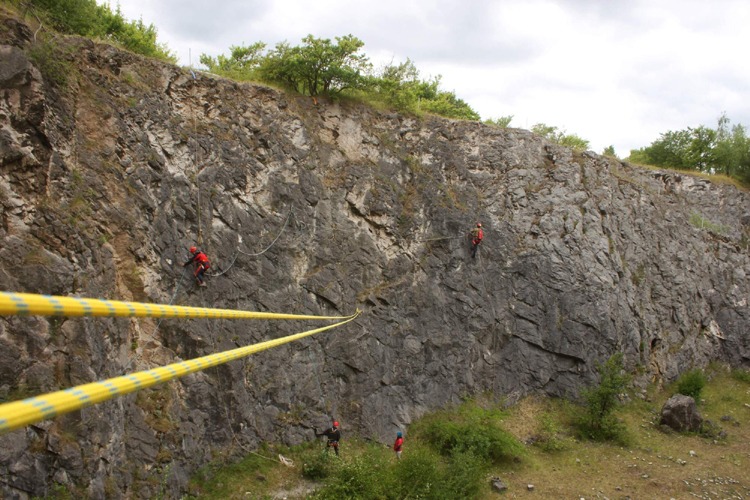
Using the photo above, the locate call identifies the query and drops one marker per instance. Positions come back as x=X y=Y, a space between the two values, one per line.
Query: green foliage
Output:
x=400 y=86
x=469 y=429
x=691 y=384
x=241 y=64
x=701 y=222
x=463 y=477
x=365 y=476
x=723 y=150
x=86 y=18
x=741 y=375
x=560 y=136
x=135 y=36
x=216 y=479
x=448 y=105
x=318 y=66
x=502 y=122
x=548 y=437
x=609 y=151
x=321 y=67
x=51 y=62
x=316 y=465
x=598 y=421
x=75 y=17
x=422 y=473
x=419 y=473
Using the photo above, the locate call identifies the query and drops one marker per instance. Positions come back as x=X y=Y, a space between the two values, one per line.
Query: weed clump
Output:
x=691 y=384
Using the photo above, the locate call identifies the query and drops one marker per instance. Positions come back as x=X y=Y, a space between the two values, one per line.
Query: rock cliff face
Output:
x=112 y=165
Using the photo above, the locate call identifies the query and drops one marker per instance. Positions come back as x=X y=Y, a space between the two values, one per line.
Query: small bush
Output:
x=472 y=430
x=548 y=437
x=424 y=474
x=691 y=384
x=316 y=465
x=464 y=476
x=419 y=474
x=598 y=421
x=741 y=375
x=365 y=476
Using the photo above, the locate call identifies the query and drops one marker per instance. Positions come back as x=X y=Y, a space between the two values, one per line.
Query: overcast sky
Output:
x=614 y=72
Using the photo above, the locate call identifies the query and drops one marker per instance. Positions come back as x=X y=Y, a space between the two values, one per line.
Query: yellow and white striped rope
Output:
x=25 y=304
x=19 y=413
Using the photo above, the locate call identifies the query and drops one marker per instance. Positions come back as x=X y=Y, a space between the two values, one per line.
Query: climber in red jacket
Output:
x=201 y=262
x=476 y=238
x=398 y=444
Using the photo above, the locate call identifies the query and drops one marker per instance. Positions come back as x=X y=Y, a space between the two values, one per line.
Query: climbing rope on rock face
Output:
x=274 y=240
x=239 y=251
x=439 y=239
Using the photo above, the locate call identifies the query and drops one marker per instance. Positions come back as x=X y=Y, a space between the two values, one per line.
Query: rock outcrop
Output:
x=111 y=165
x=681 y=414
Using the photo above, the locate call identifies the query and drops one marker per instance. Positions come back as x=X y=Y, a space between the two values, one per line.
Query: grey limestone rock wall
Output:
x=107 y=178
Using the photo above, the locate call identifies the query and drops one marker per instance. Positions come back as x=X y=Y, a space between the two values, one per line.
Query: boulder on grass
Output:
x=681 y=414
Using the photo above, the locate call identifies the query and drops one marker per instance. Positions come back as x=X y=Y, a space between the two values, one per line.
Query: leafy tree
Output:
x=86 y=18
x=76 y=17
x=136 y=36
x=670 y=150
x=502 y=122
x=447 y=104
x=318 y=66
x=699 y=154
x=574 y=141
x=242 y=63
x=722 y=150
x=397 y=85
x=732 y=150
x=609 y=151
x=559 y=136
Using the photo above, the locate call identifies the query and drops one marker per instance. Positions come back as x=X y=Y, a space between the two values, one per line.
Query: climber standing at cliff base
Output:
x=200 y=260
x=398 y=444
x=477 y=235
x=333 y=434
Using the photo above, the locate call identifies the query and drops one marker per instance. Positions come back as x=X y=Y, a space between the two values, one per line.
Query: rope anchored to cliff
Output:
x=20 y=413
x=239 y=251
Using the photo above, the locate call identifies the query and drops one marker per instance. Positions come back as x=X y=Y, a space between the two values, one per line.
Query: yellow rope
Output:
x=24 y=304
x=19 y=413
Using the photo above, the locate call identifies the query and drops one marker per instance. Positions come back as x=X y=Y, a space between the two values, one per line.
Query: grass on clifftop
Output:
x=538 y=435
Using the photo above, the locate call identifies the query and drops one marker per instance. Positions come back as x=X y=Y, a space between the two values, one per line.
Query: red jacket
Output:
x=477 y=234
x=199 y=258
x=398 y=444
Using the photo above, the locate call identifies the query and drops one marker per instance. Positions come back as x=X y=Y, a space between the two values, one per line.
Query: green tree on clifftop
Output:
x=318 y=66
x=86 y=18
x=723 y=150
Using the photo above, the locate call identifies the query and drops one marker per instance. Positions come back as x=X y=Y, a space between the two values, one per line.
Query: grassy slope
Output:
x=651 y=466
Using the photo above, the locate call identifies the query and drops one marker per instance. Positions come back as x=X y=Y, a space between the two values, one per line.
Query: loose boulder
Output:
x=681 y=414
x=498 y=485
